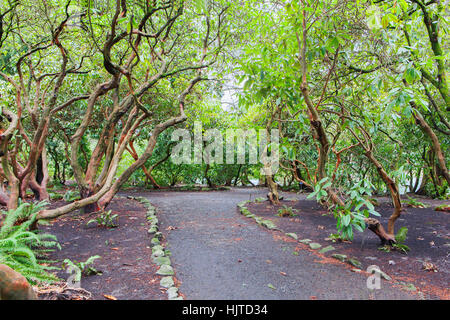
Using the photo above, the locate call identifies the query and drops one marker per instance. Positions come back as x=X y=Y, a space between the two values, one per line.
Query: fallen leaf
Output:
x=170 y=228
x=283 y=273
x=420 y=238
x=320 y=227
x=431 y=243
x=115 y=249
x=269 y=261
x=428 y=266
x=107 y=296
x=271 y=286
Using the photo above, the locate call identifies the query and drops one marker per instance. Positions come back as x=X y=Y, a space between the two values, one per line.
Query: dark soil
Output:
x=125 y=263
x=428 y=238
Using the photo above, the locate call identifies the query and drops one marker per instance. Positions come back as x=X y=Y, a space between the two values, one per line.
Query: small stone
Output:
x=355 y=262
x=391 y=262
x=341 y=257
x=371 y=258
x=157 y=247
x=315 y=245
x=172 y=292
x=158 y=253
x=161 y=260
x=292 y=235
x=327 y=249
x=242 y=203
x=158 y=235
x=268 y=224
x=385 y=276
x=166 y=282
x=155 y=241
x=165 y=270
x=306 y=241
x=247 y=213
x=153 y=229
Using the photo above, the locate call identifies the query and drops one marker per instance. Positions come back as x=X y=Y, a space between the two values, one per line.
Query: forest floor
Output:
x=217 y=253
x=127 y=270
x=428 y=238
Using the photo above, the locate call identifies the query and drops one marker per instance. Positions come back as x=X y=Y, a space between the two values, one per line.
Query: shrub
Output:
x=286 y=211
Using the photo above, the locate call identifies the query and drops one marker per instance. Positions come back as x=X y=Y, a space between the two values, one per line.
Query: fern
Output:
x=22 y=249
x=81 y=268
x=71 y=195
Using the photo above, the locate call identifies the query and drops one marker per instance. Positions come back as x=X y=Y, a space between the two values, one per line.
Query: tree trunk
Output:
x=273 y=195
x=375 y=225
x=91 y=207
x=4 y=198
x=435 y=143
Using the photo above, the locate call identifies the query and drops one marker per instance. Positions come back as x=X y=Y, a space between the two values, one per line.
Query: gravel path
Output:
x=219 y=254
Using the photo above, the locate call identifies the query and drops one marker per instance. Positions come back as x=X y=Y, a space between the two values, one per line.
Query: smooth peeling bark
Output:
x=431 y=22
x=5 y=137
x=38 y=182
x=316 y=123
x=273 y=194
x=53 y=213
x=376 y=227
x=91 y=207
x=106 y=199
x=373 y=224
x=4 y=198
x=435 y=143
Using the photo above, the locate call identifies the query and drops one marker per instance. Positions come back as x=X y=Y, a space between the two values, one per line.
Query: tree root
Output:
x=62 y=292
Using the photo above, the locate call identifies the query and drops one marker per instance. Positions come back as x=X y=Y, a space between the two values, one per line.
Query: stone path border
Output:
x=313 y=245
x=160 y=255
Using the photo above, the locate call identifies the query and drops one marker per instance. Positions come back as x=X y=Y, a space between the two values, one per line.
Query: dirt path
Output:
x=218 y=254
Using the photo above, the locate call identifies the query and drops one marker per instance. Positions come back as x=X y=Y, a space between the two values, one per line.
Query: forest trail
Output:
x=219 y=254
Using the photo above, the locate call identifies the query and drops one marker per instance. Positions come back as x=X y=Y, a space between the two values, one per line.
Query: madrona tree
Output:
x=334 y=100
x=97 y=73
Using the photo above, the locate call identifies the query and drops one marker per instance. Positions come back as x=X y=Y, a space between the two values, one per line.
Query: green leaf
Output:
x=346 y=220
x=400 y=237
x=411 y=75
